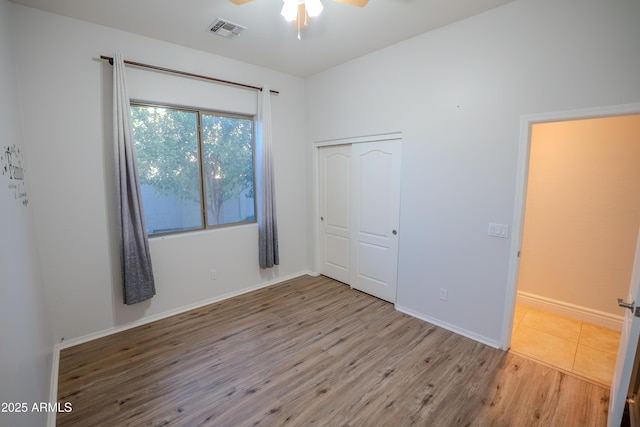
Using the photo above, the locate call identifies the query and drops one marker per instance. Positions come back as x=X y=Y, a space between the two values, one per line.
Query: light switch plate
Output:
x=498 y=230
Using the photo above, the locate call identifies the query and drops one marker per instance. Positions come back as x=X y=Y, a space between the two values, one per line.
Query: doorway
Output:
x=575 y=226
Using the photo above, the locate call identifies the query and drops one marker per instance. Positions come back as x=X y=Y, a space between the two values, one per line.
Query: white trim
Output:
x=358 y=139
x=114 y=330
x=315 y=220
x=53 y=385
x=526 y=122
x=585 y=314
x=465 y=333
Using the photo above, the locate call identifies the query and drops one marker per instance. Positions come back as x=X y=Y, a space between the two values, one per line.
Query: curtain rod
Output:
x=184 y=73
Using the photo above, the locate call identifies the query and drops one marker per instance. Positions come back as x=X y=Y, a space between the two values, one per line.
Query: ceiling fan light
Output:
x=289 y=10
x=314 y=7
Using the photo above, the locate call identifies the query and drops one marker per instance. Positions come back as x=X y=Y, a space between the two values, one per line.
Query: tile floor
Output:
x=572 y=345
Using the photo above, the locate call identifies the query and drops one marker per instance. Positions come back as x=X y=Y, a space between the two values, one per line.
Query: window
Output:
x=190 y=179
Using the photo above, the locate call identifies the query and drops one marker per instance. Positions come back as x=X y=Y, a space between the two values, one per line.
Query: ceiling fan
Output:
x=300 y=12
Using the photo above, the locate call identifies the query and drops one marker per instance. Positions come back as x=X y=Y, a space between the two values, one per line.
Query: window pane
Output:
x=228 y=169
x=166 y=142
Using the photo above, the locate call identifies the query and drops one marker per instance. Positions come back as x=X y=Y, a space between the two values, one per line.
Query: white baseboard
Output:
x=460 y=331
x=53 y=388
x=562 y=308
x=120 y=328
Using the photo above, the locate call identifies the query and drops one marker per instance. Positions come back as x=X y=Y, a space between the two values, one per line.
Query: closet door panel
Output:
x=375 y=179
x=334 y=192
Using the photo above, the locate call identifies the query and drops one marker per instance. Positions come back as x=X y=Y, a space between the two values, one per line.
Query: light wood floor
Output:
x=312 y=351
x=572 y=345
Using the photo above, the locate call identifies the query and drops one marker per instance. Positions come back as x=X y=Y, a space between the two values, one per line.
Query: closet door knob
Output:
x=394 y=232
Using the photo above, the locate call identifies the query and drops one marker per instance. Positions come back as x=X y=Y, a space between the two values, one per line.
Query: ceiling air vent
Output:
x=225 y=29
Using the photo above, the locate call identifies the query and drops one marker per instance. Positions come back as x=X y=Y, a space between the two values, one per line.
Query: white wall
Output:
x=457 y=94
x=66 y=97
x=26 y=343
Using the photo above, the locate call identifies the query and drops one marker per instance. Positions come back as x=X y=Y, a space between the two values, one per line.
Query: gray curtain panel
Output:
x=266 y=197
x=137 y=273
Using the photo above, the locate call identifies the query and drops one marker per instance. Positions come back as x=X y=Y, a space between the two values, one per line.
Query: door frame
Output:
x=393 y=136
x=524 y=152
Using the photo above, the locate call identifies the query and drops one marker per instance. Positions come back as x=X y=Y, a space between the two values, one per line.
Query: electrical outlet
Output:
x=214 y=274
x=444 y=294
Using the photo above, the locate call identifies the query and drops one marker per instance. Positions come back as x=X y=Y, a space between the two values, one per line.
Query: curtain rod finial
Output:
x=107 y=58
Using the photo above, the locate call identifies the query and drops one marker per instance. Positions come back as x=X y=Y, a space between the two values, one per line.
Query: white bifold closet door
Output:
x=359 y=191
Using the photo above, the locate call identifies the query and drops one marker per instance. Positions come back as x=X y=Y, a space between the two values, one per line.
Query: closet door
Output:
x=375 y=217
x=334 y=193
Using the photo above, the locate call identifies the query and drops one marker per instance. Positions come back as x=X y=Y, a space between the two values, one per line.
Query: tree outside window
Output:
x=193 y=180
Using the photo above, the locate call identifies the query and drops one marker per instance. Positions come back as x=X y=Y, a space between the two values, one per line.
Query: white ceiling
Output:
x=339 y=34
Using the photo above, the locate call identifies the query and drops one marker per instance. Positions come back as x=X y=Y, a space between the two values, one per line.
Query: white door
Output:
x=334 y=180
x=375 y=217
x=627 y=349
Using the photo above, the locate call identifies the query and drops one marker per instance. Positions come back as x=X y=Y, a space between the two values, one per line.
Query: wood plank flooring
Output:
x=312 y=351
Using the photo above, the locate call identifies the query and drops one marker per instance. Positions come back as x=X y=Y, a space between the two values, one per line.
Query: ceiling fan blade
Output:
x=359 y=3
x=303 y=19
x=240 y=1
